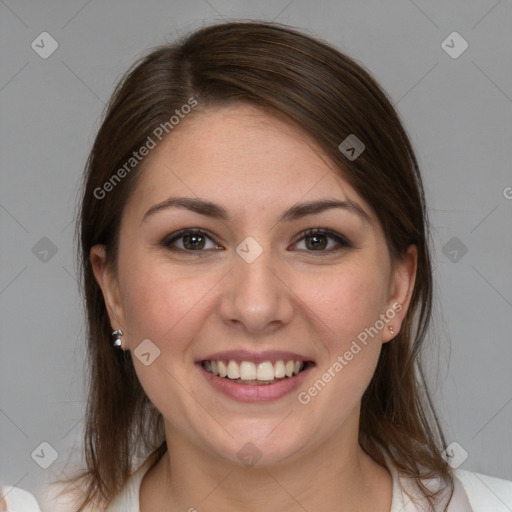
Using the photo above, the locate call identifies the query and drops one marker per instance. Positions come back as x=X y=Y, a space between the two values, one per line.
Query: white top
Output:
x=473 y=492
x=18 y=500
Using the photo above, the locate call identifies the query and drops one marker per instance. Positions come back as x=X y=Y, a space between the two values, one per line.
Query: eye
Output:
x=196 y=240
x=191 y=240
x=317 y=240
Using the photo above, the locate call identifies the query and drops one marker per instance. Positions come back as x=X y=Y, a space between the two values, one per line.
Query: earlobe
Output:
x=401 y=289
x=107 y=281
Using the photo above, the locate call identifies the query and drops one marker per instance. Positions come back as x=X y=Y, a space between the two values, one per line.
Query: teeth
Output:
x=279 y=371
x=249 y=371
x=223 y=371
x=265 y=371
x=233 y=370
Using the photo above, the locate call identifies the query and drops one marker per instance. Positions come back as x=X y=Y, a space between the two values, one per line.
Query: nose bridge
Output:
x=255 y=297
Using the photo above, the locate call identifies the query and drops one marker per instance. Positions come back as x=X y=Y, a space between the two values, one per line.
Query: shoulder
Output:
x=128 y=499
x=57 y=497
x=18 y=499
x=486 y=493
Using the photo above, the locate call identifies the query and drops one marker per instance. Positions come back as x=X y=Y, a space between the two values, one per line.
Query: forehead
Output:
x=240 y=156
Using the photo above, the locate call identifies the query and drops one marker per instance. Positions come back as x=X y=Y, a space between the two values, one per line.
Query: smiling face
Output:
x=252 y=287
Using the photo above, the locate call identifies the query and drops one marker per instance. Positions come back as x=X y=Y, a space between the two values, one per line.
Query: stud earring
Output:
x=118 y=342
x=391 y=330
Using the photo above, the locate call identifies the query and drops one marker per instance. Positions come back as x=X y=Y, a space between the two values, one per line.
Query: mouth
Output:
x=249 y=377
x=251 y=373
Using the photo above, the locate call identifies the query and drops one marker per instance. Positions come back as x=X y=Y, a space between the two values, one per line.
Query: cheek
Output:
x=170 y=310
x=345 y=308
x=344 y=303
x=162 y=304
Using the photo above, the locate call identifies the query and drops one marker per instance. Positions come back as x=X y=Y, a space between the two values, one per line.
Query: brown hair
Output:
x=330 y=96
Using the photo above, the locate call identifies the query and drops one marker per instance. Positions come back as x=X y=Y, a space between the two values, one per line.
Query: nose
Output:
x=256 y=297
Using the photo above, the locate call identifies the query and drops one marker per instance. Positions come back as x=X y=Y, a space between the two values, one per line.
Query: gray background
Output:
x=457 y=111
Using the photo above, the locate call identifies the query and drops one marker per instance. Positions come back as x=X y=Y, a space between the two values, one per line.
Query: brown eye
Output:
x=318 y=240
x=190 y=240
x=193 y=241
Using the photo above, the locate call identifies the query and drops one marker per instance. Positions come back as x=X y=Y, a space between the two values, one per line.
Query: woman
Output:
x=254 y=238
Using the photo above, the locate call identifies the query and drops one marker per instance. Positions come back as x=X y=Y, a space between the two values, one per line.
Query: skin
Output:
x=292 y=297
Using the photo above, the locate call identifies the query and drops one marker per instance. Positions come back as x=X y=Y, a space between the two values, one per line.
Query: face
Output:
x=240 y=277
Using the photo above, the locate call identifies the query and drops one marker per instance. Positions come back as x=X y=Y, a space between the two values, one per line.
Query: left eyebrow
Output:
x=313 y=207
x=210 y=209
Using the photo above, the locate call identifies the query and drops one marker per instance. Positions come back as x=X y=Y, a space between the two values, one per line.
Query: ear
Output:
x=108 y=282
x=400 y=290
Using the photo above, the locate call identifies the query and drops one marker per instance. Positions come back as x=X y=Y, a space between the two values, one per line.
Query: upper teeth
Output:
x=247 y=370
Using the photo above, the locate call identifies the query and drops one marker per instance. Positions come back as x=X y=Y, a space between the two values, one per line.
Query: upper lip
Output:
x=255 y=357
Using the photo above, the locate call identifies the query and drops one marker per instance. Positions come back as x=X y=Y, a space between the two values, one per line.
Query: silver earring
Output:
x=391 y=330
x=118 y=342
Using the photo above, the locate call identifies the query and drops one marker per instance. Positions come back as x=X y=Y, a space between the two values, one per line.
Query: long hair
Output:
x=312 y=85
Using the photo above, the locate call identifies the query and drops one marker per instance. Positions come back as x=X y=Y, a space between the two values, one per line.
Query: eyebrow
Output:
x=296 y=212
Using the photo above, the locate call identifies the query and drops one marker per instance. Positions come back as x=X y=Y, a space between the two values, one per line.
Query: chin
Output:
x=254 y=446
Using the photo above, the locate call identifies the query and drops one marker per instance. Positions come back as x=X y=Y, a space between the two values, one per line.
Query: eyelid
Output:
x=341 y=240
x=173 y=237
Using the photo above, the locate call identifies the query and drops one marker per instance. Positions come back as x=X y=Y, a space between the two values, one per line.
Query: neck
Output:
x=334 y=476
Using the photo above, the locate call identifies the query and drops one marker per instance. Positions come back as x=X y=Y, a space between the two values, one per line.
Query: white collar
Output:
x=128 y=499
x=415 y=501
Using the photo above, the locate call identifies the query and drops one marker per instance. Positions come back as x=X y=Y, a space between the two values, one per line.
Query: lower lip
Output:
x=255 y=393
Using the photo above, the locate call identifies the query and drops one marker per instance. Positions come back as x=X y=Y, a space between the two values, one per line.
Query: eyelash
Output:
x=342 y=241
